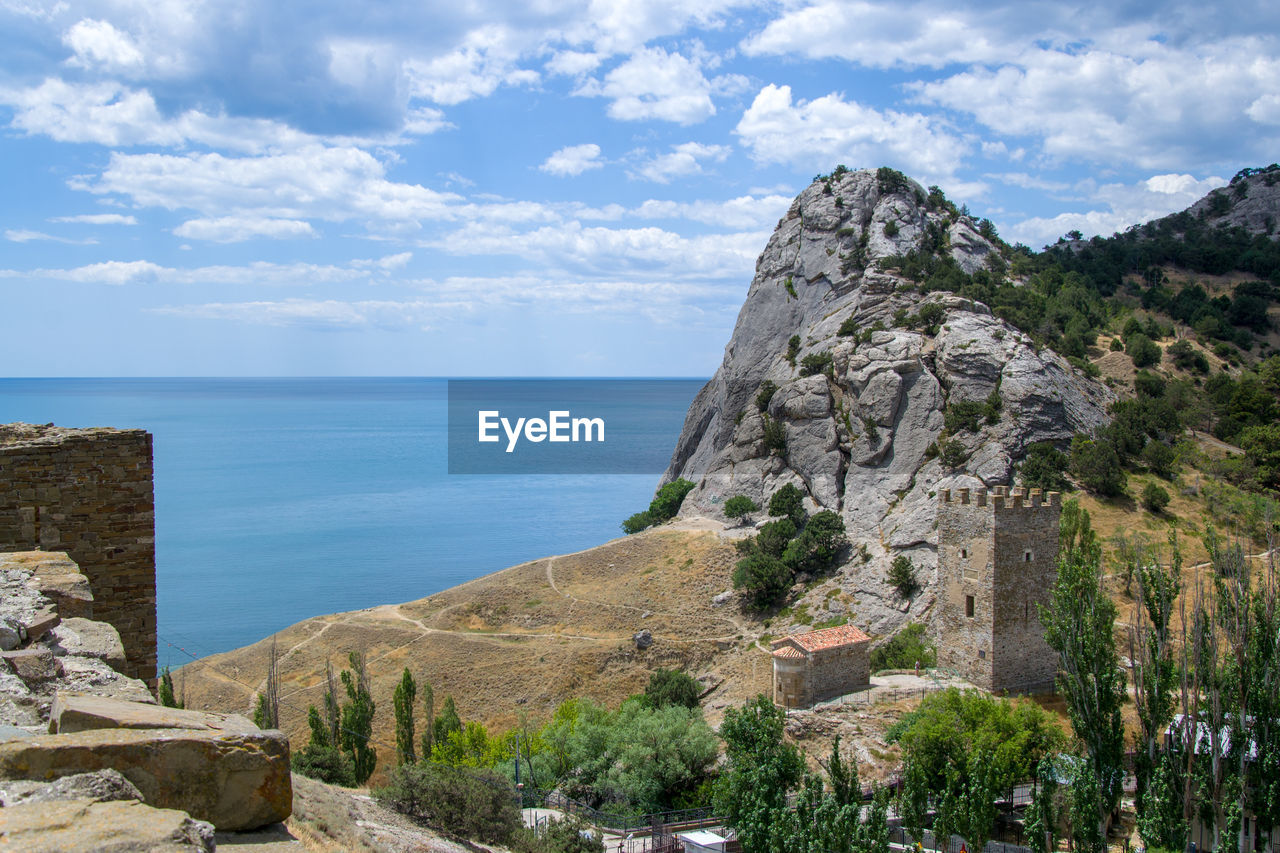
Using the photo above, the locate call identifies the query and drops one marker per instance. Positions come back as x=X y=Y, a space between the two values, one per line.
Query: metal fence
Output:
x=622 y=823
x=899 y=835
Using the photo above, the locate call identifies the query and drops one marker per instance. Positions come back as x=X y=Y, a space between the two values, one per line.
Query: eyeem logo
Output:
x=559 y=426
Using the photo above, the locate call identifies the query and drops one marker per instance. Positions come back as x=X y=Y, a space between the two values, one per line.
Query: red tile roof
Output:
x=789 y=652
x=829 y=638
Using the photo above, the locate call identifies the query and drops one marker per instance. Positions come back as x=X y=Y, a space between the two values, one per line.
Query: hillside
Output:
x=885 y=372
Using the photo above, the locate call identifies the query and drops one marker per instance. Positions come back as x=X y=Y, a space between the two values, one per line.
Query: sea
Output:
x=282 y=499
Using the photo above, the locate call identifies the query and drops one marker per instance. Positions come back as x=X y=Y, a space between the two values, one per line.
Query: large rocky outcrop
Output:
x=861 y=434
x=63 y=674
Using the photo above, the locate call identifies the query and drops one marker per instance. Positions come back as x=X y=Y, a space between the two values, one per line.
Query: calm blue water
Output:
x=280 y=499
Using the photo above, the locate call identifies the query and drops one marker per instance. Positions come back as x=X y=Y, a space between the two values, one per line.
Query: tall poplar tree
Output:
x=402 y=700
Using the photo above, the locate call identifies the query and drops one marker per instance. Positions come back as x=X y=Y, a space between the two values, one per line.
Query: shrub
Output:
x=637 y=522
x=793 y=349
x=871 y=429
x=671 y=687
x=848 y=328
x=930 y=316
x=473 y=803
x=1155 y=498
x=775 y=436
x=817 y=362
x=818 y=546
x=1161 y=459
x=765 y=579
x=1096 y=465
x=767 y=389
x=904 y=649
x=667 y=502
x=902 y=576
x=952 y=454
x=1117 y=345
x=1188 y=357
x=570 y=835
x=788 y=501
x=1044 y=468
x=1142 y=350
x=891 y=229
x=964 y=414
x=774 y=536
x=791 y=288
x=739 y=507
x=326 y=763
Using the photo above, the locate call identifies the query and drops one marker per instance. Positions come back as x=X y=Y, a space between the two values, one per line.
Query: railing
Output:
x=899 y=835
x=622 y=823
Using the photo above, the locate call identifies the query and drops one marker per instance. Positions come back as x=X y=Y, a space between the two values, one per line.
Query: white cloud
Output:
x=330 y=183
x=236 y=229
x=573 y=63
x=97 y=43
x=830 y=130
x=881 y=35
x=654 y=84
x=1121 y=205
x=98 y=219
x=683 y=159
x=146 y=272
x=1153 y=106
x=486 y=59
x=1027 y=182
x=747 y=211
x=22 y=235
x=573 y=160
x=614 y=252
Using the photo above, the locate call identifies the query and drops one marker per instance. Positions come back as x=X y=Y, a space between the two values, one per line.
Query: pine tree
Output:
x=167 y=697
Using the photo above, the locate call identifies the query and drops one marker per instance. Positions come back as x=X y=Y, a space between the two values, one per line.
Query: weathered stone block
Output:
x=90 y=639
x=84 y=826
x=78 y=712
x=100 y=787
x=233 y=780
x=33 y=665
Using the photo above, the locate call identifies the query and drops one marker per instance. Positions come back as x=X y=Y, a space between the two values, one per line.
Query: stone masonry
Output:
x=820 y=665
x=997 y=559
x=89 y=492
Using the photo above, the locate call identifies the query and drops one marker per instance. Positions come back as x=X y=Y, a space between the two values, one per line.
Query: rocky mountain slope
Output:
x=1250 y=202
x=862 y=430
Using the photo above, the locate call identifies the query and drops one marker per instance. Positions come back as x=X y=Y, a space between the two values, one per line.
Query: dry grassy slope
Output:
x=520 y=641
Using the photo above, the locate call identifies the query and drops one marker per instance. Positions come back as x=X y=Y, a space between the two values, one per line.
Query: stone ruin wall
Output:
x=90 y=493
x=983 y=544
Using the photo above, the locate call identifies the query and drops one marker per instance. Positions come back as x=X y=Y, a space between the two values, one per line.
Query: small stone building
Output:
x=997 y=559
x=820 y=665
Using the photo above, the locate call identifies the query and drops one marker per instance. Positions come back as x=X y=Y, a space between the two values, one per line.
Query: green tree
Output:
x=1079 y=624
x=357 y=719
x=448 y=720
x=1044 y=467
x=904 y=650
x=1095 y=463
x=666 y=503
x=636 y=522
x=1142 y=350
x=1154 y=497
x=463 y=802
x=321 y=758
x=765 y=579
x=902 y=577
x=671 y=687
x=167 y=697
x=739 y=507
x=406 y=693
x=952 y=454
x=817 y=547
x=788 y=501
x=429 y=722
x=751 y=793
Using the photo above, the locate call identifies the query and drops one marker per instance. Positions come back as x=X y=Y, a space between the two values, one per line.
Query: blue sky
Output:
x=550 y=187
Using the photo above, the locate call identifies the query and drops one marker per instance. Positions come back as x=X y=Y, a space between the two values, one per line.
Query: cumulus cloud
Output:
x=147 y=272
x=98 y=43
x=776 y=129
x=1154 y=106
x=655 y=84
x=236 y=229
x=573 y=160
x=684 y=159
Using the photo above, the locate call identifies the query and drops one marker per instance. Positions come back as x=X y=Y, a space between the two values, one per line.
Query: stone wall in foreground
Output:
x=90 y=493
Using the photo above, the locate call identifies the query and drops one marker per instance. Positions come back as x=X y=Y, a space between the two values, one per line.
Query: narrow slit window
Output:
x=1026 y=556
x=964 y=553
x=968 y=606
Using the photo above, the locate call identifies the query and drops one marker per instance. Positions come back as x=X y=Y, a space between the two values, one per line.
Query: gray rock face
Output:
x=102 y=786
x=1253 y=203
x=860 y=435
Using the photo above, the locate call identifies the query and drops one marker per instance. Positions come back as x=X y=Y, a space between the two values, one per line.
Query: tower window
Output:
x=982 y=654
x=964 y=553
x=1026 y=556
x=968 y=606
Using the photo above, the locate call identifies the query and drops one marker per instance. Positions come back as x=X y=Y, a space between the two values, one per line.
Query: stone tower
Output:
x=90 y=493
x=997 y=559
